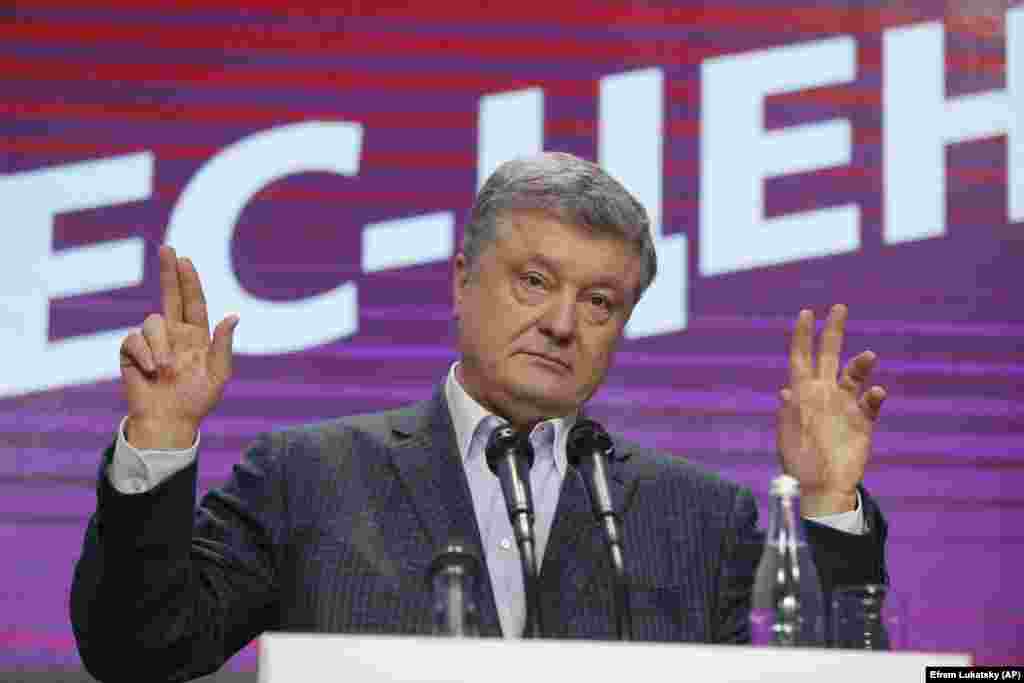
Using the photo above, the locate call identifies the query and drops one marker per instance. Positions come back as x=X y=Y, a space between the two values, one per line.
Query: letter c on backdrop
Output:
x=203 y=221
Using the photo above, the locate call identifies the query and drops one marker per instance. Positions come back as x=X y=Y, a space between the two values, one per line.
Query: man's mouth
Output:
x=552 y=359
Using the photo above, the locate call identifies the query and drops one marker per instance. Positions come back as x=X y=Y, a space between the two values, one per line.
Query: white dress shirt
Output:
x=473 y=425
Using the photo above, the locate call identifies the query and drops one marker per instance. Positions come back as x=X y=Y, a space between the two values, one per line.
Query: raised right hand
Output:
x=173 y=373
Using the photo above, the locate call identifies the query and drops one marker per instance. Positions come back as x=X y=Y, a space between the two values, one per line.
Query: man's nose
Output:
x=559 y=320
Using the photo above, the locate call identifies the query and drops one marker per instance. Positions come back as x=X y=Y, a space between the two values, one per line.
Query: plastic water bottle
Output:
x=788 y=609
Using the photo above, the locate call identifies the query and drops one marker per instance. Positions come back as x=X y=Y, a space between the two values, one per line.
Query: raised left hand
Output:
x=826 y=419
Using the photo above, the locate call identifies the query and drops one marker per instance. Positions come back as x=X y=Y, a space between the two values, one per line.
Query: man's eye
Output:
x=601 y=301
x=533 y=280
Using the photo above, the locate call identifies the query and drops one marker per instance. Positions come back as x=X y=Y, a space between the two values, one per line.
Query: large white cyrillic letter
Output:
x=509 y=125
x=630 y=141
x=32 y=275
x=737 y=154
x=203 y=221
x=920 y=121
x=411 y=241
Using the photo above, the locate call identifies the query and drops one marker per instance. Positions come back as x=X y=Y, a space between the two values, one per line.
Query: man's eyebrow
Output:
x=544 y=261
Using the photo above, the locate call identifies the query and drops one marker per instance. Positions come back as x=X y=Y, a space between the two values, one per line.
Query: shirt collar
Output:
x=466 y=414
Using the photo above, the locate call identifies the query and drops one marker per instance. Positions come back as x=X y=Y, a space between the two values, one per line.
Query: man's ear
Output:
x=460 y=277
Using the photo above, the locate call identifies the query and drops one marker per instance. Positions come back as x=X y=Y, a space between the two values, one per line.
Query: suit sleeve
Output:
x=839 y=557
x=169 y=592
x=849 y=559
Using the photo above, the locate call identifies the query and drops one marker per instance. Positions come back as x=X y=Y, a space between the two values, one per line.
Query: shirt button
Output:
x=506 y=544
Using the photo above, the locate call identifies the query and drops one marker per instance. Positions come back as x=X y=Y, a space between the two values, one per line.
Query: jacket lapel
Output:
x=575 y=556
x=426 y=459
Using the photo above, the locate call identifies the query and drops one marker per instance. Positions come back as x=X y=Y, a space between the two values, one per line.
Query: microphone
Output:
x=511 y=462
x=452 y=578
x=510 y=458
x=589 y=448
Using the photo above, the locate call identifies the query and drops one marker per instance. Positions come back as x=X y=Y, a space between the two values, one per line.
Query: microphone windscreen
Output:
x=499 y=442
x=456 y=552
x=585 y=438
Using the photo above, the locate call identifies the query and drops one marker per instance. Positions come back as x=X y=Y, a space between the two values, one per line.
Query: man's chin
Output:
x=545 y=402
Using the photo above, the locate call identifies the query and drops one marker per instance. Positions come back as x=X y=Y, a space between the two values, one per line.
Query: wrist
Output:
x=822 y=503
x=152 y=433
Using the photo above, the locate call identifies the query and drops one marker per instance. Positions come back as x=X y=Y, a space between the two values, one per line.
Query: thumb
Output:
x=788 y=413
x=786 y=404
x=220 y=347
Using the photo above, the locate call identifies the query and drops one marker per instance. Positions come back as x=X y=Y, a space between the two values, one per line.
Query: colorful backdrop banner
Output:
x=317 y=165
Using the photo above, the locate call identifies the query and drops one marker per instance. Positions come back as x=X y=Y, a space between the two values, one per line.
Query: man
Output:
x=331 y=527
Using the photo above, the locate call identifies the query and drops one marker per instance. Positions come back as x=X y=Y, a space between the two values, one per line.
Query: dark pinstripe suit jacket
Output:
x=331 y=527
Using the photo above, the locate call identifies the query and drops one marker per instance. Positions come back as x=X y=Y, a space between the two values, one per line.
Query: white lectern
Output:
x=315 y=658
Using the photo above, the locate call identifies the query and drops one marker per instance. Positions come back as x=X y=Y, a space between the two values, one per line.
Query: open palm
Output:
x=826 y=420
x=173 y=371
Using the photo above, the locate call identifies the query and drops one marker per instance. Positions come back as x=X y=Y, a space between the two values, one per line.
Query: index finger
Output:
x=832 y=342
x=170 y=292
x=192 y=294
x=801 y=365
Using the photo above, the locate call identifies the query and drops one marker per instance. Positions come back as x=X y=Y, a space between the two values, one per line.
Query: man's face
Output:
x=541 y=315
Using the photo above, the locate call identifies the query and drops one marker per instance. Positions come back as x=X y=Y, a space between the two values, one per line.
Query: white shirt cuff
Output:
x=851 y=522
x=136 y=471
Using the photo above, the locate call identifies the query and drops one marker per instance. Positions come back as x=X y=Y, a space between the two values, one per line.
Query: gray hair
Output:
x=573 y=189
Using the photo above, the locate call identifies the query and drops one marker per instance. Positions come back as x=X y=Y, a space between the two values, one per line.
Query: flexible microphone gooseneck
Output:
x=589 y=449
x=510 y=458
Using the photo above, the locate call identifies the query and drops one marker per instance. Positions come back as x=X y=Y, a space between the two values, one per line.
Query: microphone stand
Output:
x=534 y=616
x=510 y=458
x=623 y=611
x=589 y=445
